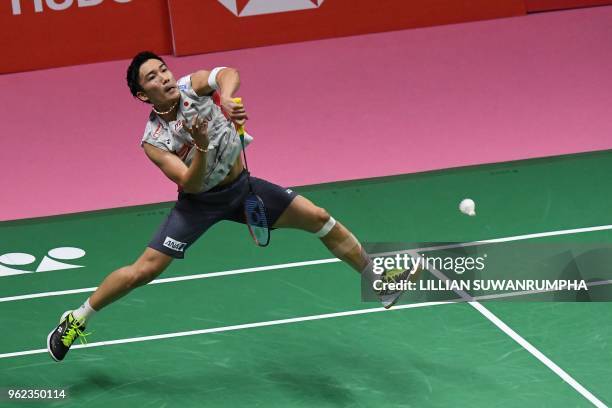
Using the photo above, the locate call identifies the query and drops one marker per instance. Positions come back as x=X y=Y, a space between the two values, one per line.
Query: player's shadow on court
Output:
x=314 y=388
x=94 y=383
x=306 y=383
x=99 y=380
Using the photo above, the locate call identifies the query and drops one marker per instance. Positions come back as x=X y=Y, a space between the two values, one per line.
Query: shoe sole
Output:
x=394 y=301
x=66 y=313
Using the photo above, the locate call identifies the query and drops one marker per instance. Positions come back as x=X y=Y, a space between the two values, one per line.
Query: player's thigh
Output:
x=302 y=214
x=187 y=221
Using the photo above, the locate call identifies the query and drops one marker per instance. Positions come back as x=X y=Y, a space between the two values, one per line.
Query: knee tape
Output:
x=326 y=228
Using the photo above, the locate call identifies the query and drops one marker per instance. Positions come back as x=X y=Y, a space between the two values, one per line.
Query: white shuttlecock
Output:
x=467 y=206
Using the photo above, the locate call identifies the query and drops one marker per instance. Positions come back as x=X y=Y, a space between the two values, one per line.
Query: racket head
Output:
x=256 y=217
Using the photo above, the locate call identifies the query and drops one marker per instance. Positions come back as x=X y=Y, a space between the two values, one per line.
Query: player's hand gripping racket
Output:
x=254 y=209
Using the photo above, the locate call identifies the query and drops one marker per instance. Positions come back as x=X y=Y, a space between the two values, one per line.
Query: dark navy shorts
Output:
x=193 y=214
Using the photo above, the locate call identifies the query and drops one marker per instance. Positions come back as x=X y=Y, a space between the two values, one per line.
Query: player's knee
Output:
x=143 y=272
x=321 y=218
x=323 y=223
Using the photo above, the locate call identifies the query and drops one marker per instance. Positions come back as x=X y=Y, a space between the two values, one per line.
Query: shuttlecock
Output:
x=467 y=206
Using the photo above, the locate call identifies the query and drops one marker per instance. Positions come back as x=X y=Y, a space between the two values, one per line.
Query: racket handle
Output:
x=239 y=128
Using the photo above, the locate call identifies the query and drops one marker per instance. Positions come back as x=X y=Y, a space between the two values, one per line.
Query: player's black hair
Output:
x=134 y=69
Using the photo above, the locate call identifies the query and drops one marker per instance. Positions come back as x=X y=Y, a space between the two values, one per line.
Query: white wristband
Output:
x=212 y=78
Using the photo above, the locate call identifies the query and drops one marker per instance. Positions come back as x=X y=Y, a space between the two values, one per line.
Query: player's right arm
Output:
x=226 y=82
x=189 y=178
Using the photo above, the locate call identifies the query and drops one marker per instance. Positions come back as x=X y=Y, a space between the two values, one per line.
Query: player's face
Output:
x=158 y=83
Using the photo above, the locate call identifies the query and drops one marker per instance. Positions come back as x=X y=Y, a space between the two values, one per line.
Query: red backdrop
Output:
x=49 y=33
x=204 y=26
x=79 y=34
x=545 y=5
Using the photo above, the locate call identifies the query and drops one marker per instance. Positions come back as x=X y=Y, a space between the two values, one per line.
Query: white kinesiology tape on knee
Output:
x=326 y=228
x=212 y=78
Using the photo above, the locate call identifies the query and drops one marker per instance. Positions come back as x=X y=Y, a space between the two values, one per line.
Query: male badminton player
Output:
x=191 y=136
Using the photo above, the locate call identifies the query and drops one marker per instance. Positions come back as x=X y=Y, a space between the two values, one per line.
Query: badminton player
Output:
x=191 y=136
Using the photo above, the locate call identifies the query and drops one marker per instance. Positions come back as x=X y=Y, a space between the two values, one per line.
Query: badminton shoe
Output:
x=400 y=277
x=62 y=337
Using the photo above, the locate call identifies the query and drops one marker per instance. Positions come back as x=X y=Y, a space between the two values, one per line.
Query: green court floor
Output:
x=235 y=325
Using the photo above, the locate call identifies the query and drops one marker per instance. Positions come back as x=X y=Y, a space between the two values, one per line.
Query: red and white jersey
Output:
x=224 y=146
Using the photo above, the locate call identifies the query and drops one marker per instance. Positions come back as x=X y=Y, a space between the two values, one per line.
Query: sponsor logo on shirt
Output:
x=157 y=131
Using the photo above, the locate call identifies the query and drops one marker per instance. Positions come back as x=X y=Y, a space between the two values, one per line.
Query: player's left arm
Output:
x=226 y=82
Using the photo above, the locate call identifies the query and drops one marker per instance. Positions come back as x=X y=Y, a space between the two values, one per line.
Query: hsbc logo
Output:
x=245 y=8
x=57 y=5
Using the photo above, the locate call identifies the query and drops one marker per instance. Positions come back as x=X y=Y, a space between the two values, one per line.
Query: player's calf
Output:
x=343 y=244
x=119 y=283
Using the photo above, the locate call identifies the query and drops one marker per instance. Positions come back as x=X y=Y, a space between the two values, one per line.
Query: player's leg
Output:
x=305 y=215
x=120 y=282
x=116 y=285
x=286 y=209
x=184 y=225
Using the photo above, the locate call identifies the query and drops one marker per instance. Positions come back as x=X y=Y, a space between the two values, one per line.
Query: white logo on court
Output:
x=245 y=8
x=50 y=262
x=174 y=244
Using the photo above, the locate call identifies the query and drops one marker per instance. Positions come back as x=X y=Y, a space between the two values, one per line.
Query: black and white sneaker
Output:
x=387 y=297
x=61 y=338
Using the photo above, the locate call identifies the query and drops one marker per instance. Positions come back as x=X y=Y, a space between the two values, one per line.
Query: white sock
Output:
x=84 y=312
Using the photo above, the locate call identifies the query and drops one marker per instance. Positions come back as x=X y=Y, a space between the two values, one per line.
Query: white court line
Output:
x=598 y=283
x=533 y=292
x=231 y=328
x=285 y=321
x=524 y=343
x=178 y=278
x=539 y=355
x=505 y=239
x=317 y=262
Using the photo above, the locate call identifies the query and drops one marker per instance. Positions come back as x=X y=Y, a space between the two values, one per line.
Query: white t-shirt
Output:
x=224 y=142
